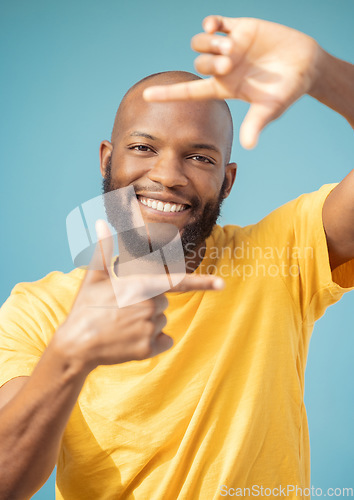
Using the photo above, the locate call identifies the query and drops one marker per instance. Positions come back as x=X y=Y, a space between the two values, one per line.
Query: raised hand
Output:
x=266 y=64
x=97 y=331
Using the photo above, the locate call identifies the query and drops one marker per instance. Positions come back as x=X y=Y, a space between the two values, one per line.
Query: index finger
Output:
x=148 y=286
x=199 y=282
x=193 y=90
x=151 y=285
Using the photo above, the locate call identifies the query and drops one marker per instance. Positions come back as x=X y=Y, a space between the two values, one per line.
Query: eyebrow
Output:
x=198 y=145
x=143 y=134
x=210 y=147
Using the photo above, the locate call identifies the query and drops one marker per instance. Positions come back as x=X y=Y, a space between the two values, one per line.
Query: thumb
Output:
x=258 y=116
x=100 y=265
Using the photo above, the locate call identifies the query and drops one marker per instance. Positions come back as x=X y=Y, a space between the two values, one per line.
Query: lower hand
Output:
x=98 y=332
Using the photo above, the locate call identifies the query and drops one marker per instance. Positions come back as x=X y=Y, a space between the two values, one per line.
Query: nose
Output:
x=168 y=171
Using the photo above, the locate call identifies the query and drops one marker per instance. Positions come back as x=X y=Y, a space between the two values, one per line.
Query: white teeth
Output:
x=162 y=206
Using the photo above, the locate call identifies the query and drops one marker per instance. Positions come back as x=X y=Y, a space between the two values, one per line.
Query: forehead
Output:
x=187 y=121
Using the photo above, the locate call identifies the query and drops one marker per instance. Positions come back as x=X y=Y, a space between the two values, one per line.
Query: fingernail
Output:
x=224 y=45
x=219 y=284
x=100 y=229
x=147 y=94
x=152 y=93
x=208 y=25
x=222 y=65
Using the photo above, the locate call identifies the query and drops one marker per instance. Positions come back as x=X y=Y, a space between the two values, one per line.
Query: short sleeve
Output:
x=30 y=317
x=21 y=342
x=320 y=286
x=295 y=231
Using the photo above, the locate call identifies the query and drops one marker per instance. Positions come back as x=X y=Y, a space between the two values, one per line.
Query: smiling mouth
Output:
x=162 y=206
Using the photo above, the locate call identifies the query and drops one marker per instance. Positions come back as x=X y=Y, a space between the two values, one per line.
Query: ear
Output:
x=230 y=175
x=105 y=154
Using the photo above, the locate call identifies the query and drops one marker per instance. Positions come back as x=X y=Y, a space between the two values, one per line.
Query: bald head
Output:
x=134 y=94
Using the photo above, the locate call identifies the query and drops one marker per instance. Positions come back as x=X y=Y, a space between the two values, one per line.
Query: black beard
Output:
x=194 y=233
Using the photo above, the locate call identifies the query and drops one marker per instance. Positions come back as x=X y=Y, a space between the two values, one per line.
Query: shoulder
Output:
x=291 y=218
x=51 y=295
x=54 y=283
x=297 y=222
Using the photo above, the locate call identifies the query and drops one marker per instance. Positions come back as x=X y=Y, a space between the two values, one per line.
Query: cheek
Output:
x=127 y=170
x=207 y=185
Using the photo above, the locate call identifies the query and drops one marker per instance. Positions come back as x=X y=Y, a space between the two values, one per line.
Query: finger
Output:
x=235 y=47
x=258 y=116
x=211 y=24
x=100 y=265
x=153 y=285
x=213 y=65
x=161 y=303
x=160 y=323
x=199 y=282
x=161 y=344
x=194 y=90
x=213 y=44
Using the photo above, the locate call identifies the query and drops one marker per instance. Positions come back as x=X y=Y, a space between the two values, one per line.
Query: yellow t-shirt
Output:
x=223 y=408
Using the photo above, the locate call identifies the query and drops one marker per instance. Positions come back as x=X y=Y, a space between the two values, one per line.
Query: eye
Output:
x=203 y=159
x=141 y=147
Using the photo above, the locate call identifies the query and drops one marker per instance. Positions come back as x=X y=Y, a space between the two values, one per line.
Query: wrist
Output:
x=69 y=350
x=333 y=84
x=322 y=60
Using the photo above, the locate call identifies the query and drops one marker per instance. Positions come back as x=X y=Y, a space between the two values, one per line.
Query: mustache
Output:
x=156 y=187
x=151 y=187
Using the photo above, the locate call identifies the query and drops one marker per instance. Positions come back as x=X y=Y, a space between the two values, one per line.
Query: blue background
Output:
x=65 y=67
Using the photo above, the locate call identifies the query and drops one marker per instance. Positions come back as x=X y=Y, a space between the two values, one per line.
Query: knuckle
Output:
x=148 y=329
x=164 y=302
x=161 y=303
x=150 y=307
x=163 y=322
x=144 y=350
x=222 y=64
x=232 y=44
x=146 y=309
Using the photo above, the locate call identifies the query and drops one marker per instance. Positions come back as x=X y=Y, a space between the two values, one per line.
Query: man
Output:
x=222 y=408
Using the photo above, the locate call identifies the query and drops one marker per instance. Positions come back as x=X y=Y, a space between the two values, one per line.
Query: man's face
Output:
x=174 y=156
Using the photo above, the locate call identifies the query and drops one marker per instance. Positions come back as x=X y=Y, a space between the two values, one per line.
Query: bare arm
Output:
x=35 y=410
x=334 y=87
x=33 y=421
